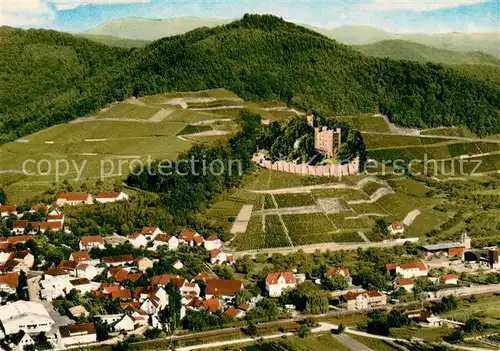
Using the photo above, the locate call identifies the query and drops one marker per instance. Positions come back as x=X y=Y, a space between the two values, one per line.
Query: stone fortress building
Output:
x=327 y=142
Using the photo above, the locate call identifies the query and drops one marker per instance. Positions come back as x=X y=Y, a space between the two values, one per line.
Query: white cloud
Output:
x=73 y=4
x=25 y=13
x=420 y=5
x=42 y=13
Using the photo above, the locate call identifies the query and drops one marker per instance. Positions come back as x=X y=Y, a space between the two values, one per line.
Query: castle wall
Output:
x=336 y=170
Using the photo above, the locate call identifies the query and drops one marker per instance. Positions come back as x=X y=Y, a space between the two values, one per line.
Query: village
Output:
x=134 y=290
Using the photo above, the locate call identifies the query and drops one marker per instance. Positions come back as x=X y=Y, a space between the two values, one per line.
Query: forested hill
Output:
x=53 y=77
x=263 y=57
x=50 y=77
x=407 y=50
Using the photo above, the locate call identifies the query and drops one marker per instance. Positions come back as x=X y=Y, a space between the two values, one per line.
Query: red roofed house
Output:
x=104 y=197
x=449 y=279
x=137 y=240
x=12 y=240
x=151 y=232
x=8 y=209
x=190 y=237
x=55 y=216
x=396 y=228
x=202 y=276
x=212 y=243
x=73 y=199
x=225 y=289
x=234 y=313
x=405 y=283
x=39 y=208
x=277 y=282
x=44 y=226
x=171 y=242
x=88 y=242
x=8 y=282
x=80 y=257
x=211 y=305
x=164 y=279
x=19 y=226
x=340 y=271
x=408 y=270
x=118 y=260
x=364 y=299
x=219 y=257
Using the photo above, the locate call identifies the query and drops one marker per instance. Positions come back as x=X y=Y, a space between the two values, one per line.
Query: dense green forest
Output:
x=51 y=77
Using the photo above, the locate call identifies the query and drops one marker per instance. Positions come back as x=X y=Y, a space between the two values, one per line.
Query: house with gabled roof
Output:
x=342 y=271
x=212 y=243
x=77 y=334
x=88 y=242
x=143 y=263
x=171 y=242
x=73 y=199
x=219 y=257
x=151 y=232
x=408 y=270
x=19 y=226
x=396 y=228
x=137 y=240
x=364 y=299
x=449 y=278
x=405 y=283
x=107 y=197
x=276 y=283
x=80 y=257
x=7 y=210
x=118 y=260
x=55 y=216
x=9 y=282
x=223 y=288
x=190 y=237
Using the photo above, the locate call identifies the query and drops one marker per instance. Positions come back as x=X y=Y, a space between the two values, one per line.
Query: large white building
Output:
x=104 y=197
x=31 y=317
x=77 y=334
x=408 y=270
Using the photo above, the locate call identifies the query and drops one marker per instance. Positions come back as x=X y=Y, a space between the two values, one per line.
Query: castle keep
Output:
x=327 y=141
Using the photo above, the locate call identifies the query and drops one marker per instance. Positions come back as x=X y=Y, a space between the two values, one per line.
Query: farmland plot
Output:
x=294 y=200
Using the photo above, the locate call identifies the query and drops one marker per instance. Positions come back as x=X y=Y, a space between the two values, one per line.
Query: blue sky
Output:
x=431 y=16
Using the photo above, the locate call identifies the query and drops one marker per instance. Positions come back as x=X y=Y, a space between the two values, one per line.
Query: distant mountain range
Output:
x=152 y=29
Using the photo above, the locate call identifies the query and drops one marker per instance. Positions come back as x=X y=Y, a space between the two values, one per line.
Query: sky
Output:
x=428 y=16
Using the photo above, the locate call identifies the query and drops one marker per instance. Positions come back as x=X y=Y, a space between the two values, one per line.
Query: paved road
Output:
x=322 y=328
x=351 y=343
x=324 y=247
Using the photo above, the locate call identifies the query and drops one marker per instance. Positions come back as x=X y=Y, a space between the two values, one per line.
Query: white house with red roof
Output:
x=80 y=257
x=8 y=209
x=190 y=237
x=151 y=232
x=219 y=257
x=277 y=282
x=396 y=228
x=73 y=199
x=342 y=271
x=88 y=242
x=137 y=240
x=405 y=283
x=226 y=289
x=107 y=197
x=86 y=270
x=162 y=239
x=449 y=279
x=409 y=269
x=212 y=243
x=55 y=216
x=364 y=299
x=9 y=282
x=19 y=226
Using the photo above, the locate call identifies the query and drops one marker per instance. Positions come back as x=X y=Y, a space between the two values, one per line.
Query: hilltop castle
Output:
x=326 y=141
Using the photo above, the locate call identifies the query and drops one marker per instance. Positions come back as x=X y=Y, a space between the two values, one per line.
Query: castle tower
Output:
x=327 y=141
